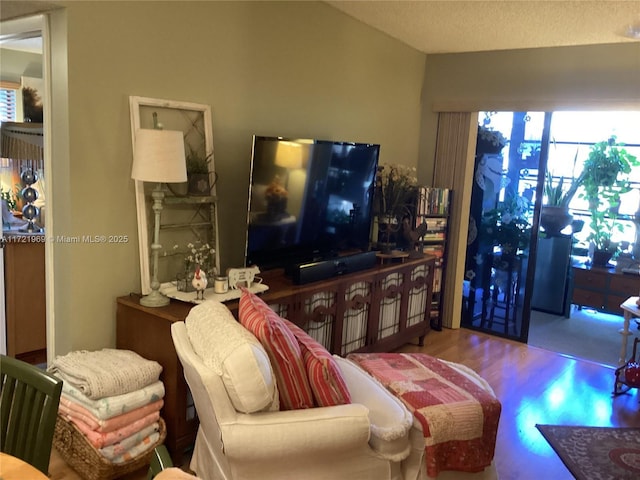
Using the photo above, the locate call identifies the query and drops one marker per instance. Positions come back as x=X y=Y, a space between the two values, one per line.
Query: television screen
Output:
x=309 y=200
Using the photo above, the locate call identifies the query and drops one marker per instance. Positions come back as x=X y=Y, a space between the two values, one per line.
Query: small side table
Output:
x=630 y=309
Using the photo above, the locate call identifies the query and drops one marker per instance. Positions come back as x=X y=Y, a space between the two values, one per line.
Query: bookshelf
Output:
x=433 y=210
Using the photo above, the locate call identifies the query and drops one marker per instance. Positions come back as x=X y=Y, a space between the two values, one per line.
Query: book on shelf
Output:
x=433 y=236
x=437 y=224
x=433 y=201
x=437 y=280
x=436 y=251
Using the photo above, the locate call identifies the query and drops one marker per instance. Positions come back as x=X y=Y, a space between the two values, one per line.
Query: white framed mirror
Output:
x=187 y=218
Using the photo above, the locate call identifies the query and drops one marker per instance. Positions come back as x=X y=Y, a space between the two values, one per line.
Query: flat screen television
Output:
x=309 y=200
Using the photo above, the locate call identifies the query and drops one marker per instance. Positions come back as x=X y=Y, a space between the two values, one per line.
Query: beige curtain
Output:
x=453 y=168
x=22 y=141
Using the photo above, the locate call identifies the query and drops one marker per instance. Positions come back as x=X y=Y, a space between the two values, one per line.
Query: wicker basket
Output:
x=85 y=459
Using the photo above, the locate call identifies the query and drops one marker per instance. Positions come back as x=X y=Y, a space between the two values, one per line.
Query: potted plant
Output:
x=198 y=172
x=395 y=192
x=489 y=140
x=602 y=230
x=605 y=177
x=507 y=227
x=555 y=215
x=606 y=172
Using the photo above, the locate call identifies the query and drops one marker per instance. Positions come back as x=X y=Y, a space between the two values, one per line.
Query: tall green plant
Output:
x=606 y=172
x=606 y=177
x=557 y=195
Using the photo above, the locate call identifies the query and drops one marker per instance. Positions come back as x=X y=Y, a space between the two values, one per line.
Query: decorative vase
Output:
x=183 y=281
x=387 y=232
x=198 y=184
x=554 y=219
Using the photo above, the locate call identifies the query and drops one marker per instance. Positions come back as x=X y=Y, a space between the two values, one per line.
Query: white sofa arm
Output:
x=323 y=430
x=390 y=420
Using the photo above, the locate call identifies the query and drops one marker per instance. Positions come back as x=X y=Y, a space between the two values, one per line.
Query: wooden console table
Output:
x=602 y=288
x=378 y=309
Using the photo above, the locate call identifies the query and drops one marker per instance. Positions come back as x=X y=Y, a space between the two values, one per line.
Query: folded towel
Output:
x=144 y=445
x=105 y=372
x=71 y=409
x=108 y=407
x=127 y=444
x=101 y=440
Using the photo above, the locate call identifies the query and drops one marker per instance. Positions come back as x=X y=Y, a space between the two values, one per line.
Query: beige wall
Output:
x=292 y=68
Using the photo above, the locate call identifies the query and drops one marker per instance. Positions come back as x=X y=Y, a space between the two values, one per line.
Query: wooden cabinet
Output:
x=602 y=288
x=374 y=310
x=25 y=297
x=147 y=331
x=379 y=309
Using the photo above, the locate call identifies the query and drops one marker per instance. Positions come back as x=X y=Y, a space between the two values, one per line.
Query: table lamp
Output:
x=158 y=157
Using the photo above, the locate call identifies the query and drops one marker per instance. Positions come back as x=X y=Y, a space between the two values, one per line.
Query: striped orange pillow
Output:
x=325 y=377
x=282 y=348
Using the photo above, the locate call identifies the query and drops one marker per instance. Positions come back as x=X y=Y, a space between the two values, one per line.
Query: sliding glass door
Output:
x=509 y=166
x=511 y=268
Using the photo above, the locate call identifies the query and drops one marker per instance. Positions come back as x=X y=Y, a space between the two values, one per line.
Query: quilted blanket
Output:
x=459 y=418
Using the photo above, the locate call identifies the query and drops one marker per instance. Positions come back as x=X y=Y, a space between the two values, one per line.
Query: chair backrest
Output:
x=210 y=398
x=29 y=399
x=160 y=459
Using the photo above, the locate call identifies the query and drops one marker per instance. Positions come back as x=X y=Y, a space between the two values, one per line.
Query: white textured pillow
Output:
x=235 y=354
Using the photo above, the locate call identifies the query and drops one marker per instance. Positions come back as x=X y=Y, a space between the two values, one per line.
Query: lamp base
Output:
x=155 y=299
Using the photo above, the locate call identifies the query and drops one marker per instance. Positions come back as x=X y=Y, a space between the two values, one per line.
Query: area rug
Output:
x=596 y=453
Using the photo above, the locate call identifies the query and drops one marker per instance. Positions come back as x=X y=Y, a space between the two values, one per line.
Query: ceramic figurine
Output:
x=199 y=282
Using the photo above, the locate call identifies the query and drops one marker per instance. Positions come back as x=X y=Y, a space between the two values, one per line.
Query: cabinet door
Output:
x=625 y=285
x=357 y=317
x=390 y=304
x=589 y=279
x=419 y=292
x=316 y=312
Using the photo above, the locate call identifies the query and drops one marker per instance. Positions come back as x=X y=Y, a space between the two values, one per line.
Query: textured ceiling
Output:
x=447 y=26
x=469 y=26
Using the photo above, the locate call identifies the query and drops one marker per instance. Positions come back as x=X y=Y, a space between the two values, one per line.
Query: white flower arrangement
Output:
x=396 y=186
x=197 y=253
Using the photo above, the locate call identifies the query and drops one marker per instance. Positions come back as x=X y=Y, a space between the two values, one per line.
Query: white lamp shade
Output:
x=158 y=156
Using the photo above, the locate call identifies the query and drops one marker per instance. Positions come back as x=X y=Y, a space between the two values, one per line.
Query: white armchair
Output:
x=367 y=439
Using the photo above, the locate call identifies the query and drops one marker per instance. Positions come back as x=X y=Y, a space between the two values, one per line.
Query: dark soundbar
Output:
x=316 y=271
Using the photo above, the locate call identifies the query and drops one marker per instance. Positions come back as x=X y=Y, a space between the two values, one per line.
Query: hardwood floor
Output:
x=534 y=386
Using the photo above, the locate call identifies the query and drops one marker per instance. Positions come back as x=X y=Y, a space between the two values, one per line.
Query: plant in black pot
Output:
x=198 y=172
x=603 y=228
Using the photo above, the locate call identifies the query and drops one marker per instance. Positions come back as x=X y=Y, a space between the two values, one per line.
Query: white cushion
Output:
x=235 y=354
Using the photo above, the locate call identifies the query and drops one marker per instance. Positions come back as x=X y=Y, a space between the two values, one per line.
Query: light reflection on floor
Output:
x=573 y=398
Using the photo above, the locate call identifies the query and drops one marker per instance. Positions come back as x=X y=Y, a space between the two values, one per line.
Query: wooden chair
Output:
x=159 y=461
x=29 y=399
